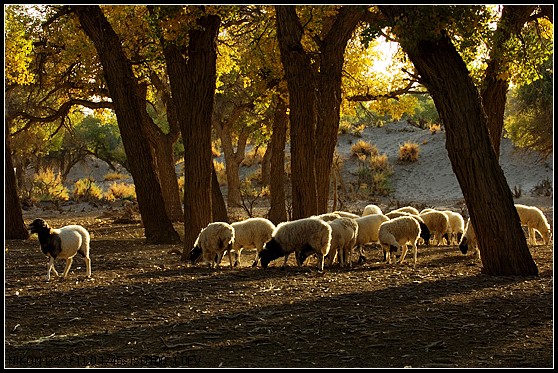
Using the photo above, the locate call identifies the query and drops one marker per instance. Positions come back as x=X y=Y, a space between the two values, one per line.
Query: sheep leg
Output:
x=403 y=254
x=88 y=266
x=285 y=262
x=320 y=262
x=50 y=267
x=230 y=257
x=68 y=265
x=532 y=236
x=415 y=252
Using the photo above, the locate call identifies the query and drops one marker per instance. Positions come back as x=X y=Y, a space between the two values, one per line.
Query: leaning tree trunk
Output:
x=13 y=224
x=128 y=106
x=496 y=81
x=332 y=51
x=219 y=209
x=278 y=211
x=502 y=243
x=302 y=104
x=193 y=87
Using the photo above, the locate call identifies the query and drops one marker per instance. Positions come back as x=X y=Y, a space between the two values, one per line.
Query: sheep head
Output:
x=271 y=251
x=37 y=226
x=195 y=254
x=463 y=245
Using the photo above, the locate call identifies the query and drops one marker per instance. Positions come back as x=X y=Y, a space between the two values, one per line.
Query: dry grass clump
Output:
x=363 y=149
x=409 y=152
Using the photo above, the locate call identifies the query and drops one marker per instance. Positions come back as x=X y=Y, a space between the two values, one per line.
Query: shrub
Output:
x=86 y=190
x=434 y=127
x=220 y=171
x=47 y=186
x=409 y=152
x=253 y=157
x=121 y=191
x=543 y=188
x=363 y=149
x=344 y=127
x=111 y=176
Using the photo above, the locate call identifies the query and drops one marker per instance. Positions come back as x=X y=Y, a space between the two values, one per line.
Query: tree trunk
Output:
x=488 y=197
x=128 y=106
x=193 y=87
x=217 y=201
x=278 y=211
x=302 y=104
x=266 y=164
x=332 y=51
x=14 y=225
x=496 y=81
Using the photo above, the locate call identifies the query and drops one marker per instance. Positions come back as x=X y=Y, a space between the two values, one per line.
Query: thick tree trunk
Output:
x=278 y=211
x=302 y=104
x=128 y=106
x=193 y=87
x=496 y=82
x=266 y=164
x=14 y=225
x=332 y=51
x=488 y=197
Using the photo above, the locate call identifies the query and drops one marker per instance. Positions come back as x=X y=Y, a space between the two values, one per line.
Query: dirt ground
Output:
x=144 y=308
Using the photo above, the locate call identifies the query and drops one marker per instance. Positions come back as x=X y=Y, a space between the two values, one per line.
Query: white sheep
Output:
x=469 y=238
x=535 y=221
x=399 y=232
x=62 y=243
x=251 y=233
x=437 y=223
x=409 y=209
x=344 y=233
x=329 y=216
x=212 y=243
x=456 y=227
x=424 y=231
x=371 y=209
x=368 y=227
x=303 y=236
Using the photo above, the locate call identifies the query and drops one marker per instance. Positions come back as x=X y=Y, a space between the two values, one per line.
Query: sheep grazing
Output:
x=344 y=233
x=345 y=214
x=303 y=236
x=535 y=221
x=251 y=233
x=399 y=232
x=371 y=209
x=424 y=231
x=330 y=216
x=212 y=243
x=368 y=227
x=62 y=243
x=456 y=227
x=469 y=238
x=437 y=223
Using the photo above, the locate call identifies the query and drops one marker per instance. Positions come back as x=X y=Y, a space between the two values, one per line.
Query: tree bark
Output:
x=496 y=81
x=302 y=104
x=217 y=201
x=278 y=211
x=502 y=243
x=332 y=51
x=14 y=224
x=128 y=106
x=193 y=87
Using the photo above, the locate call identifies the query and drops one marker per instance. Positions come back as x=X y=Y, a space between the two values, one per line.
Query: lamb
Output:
x=371 y=209
x=424 y=231
x=212 y=243
x=437 y=223
x=469 y=238
x=344 y=233
x=399 y=231
x=251 y=233
x=303 y=236
x=456 y=227
x=535 y=221
x=368 y=227
x=63 y=243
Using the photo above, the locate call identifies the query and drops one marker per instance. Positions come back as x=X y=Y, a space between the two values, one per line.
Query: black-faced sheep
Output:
x=456 y=227
x=424 y=231
x=535 y=221
x=394 y=234
x=437 y=223
x=469 y=239
x=62 y=243
x=344 y=233
x=303 y=236
x=212 y=243
x=251 y=233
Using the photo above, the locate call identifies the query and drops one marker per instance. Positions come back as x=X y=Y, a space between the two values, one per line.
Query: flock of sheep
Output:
x=330 y=237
